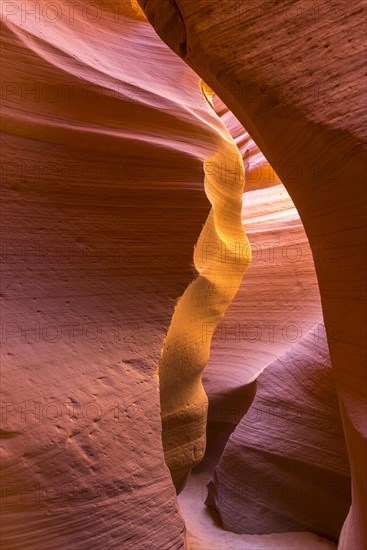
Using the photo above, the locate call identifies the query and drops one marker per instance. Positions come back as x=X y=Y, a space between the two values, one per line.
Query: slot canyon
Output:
x=183 y=288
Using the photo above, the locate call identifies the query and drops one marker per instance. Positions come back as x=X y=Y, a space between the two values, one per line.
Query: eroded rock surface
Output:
x=293 y=76
x=285 y=467
x=103 y=201
x=107 y=139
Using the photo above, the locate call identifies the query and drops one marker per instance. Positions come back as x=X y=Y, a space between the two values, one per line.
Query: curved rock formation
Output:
x=103 y=172
x=257 y=490
x=112 y=156
x=186 y=351
x=303 y=102
x=285 y=467
x=204 y=531
x=278 y=301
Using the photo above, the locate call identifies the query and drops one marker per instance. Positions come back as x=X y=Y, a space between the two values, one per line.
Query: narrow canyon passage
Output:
x=124 y=240
x=294 y=76
x=250 y=425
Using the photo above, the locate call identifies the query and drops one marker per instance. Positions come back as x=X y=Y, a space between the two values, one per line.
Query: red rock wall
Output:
x=103 y=201
x=293 y=76
x=112 y=156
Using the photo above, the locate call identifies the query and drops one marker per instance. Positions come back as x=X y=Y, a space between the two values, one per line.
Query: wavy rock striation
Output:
x=103 y=201
x=293 y=75
x=187 y=346
x=285 y=467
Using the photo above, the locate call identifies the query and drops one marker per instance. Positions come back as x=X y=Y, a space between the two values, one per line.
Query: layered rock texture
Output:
x=293 y=75
x=222 y=255
x=285 y=467
x=103 y=202
x=126 y=235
